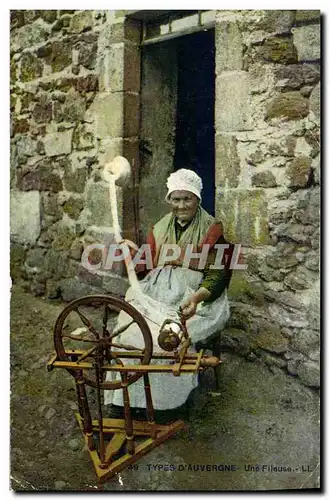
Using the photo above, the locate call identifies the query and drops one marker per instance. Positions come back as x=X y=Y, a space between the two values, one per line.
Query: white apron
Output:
x=164 y=290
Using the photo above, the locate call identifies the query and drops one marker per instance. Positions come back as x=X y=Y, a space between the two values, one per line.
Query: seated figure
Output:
x=200 y=290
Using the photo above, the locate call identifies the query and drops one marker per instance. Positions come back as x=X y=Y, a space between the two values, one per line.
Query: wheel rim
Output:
x=113 y=304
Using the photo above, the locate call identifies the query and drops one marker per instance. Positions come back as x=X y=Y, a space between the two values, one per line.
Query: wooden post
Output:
x=150 y=406
x=128 y=416
x=84 y=408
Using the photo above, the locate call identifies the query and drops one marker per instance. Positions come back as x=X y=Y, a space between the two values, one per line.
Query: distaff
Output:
x=118 y=172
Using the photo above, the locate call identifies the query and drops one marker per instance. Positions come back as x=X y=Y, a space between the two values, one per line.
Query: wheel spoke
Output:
x=86 y=354
x=87 y=323
x=81 y=339
x=127 y=347
x=105 y=321
x=121 y=329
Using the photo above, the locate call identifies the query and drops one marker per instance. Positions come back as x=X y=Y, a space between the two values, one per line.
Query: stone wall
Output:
x=75 y=84
x=75 y=102
x=268 y=181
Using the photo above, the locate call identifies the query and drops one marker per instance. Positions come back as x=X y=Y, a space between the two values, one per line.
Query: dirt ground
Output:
x=264 y=425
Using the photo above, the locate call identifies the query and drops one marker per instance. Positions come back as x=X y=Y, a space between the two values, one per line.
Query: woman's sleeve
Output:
x=217 y=280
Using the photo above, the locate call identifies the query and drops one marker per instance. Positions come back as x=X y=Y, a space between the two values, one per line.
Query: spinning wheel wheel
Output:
x=88 y=345
x=92 y=315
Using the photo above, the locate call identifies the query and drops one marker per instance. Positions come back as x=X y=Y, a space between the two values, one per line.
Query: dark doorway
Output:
x=194 y=142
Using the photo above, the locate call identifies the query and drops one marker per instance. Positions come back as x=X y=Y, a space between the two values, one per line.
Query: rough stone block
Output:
x=48 y=15
x=64 y=236
x=120 y=13
x=81 y=21
x=280 y=50
x=316 y=166
x=294 y=76
x=208 y=17
x=16 y=18
x=29 y=35
x=307 y=42
x=109 y=148
x=98 y=204
x=315 y=102
x=232 y=102
x=34 y=260
x=251 y=332
x=43 y=109
x=76 y=250
x=73 y=109
x=31 y=67
x=244 y=216
x=288 y=318
x=50 y=205
x=308 y=211
x=129 y=29
x=58 y=143
x=87 y=83
x=63 y=22
x=264 y=179
x=40 y=179
x=290 y=105
x=73 y=288
x=75 y=180
x=87 y=55
x=73 y=206
x=83 y=137
x=107 y=112
x=313 y=261
x=57 y=265
x=309 y=373
x=229 y=53
x=283 y=257
x=242 y=289
x=299 y=172
x=30 y=15
x=299 y=280
x=13 y=71
x=26 y=146
x=116 y=285
x=17 y=258
x=25 y=217
x=58 y=54
x=279 y=21
x=227 y=169
x=112 y=69
x=307 y=15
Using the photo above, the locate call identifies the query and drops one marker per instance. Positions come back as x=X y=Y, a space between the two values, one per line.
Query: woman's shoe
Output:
x=118 y=412
x=165 y=417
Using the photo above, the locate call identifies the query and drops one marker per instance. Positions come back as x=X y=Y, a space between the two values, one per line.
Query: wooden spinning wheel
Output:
x=88 y=345
x=101 y=340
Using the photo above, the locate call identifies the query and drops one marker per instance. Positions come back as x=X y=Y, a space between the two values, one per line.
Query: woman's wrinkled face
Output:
x=184 y=205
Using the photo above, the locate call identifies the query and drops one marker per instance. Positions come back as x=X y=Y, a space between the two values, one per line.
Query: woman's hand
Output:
x=188 y=308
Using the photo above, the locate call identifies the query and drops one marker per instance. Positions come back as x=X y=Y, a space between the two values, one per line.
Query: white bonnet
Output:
x=184 y=180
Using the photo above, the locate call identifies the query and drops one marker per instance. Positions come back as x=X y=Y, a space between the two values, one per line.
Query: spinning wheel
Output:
x=94 y=314
x=88 y=345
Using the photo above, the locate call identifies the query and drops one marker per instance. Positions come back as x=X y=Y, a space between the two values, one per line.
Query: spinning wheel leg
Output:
x=84 y=409
x=128 y=416
x=99 y=410
x=150 y=407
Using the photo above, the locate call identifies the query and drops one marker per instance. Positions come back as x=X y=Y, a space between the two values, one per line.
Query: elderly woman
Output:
x=200 y=292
